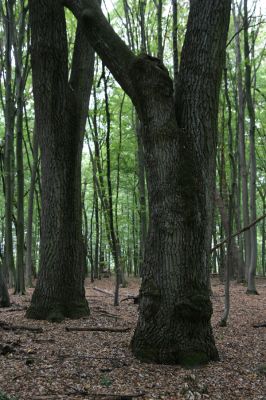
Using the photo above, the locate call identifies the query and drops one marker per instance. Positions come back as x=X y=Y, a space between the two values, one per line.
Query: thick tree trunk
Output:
x=61 y=110
x=175 y=309
x=4 y=296
x=142 y=195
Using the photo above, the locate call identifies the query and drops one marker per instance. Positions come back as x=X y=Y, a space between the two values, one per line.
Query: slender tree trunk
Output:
x=21 y=72
x=9 y=266
x=253 y=170
x=29 y=261
x=242 y=145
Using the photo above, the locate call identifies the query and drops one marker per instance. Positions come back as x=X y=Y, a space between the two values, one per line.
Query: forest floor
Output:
x=60 y=364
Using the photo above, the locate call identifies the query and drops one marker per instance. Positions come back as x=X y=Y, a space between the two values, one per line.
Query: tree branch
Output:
x=109 y=46
x=238 y=233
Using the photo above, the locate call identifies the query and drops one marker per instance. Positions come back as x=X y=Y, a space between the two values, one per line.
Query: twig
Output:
x=96 y=329
x=103 y=291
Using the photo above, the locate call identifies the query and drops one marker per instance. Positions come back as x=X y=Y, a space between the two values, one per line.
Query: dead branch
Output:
x=84 y=392
x=261 y=325
x=103 y=291
x=8 y=327
x=96 y=329
x=238 y=233
x=135 y=298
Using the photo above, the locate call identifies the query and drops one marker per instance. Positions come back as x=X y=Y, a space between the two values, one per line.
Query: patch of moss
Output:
x=262 y=369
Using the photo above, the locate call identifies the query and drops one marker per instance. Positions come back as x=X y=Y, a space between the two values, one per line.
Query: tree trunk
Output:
x=242 y=144
x=21 y=73
x=29 y=261
x=175 y=309
x=251 y=289
x=9 y=266
x=4 y=296
x=61 y=111
x=142 y=196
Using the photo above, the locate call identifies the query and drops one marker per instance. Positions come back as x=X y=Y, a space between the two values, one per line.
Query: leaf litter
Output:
x=53 y=363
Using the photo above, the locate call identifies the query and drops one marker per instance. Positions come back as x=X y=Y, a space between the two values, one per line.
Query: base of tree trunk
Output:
x=58 y=312
x=252 y=292
x=4 y=302
x=192 y=350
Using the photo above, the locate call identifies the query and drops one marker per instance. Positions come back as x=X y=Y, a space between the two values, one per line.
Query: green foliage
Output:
x=104 y=381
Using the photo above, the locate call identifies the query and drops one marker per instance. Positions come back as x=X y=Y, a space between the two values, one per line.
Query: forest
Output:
x=133 y=199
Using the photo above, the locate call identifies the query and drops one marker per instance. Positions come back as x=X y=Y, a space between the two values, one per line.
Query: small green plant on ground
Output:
x=4 y=396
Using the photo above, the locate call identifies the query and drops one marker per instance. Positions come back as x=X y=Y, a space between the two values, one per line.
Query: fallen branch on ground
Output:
x=102 y=311
x=126 y=396
x=103 y=291
x=135 y=298
x=96 y=329
x=262 y=325
x=8 y=327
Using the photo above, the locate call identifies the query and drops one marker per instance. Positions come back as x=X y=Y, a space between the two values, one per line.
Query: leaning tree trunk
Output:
x=179 y=147
x=61 y=109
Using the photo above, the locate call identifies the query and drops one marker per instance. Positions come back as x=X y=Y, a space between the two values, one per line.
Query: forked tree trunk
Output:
x=179 y=143
x=61 y=110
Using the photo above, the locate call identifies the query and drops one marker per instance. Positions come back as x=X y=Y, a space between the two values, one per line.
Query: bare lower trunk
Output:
x=4 y=296
x=61 y=111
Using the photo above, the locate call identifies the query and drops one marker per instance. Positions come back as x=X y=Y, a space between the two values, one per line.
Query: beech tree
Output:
x=61 y=106
x=179 y=140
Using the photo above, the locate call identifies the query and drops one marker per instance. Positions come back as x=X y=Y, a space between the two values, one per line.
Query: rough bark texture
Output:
x=179 y=143
x=60 y=109
x=4 y=295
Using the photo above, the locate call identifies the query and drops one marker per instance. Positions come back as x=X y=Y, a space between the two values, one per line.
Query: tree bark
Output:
x=29 y=237
x=251 y=289
x=61 y=112
x=4 y=295
x=242 y=144
x=9 y=266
